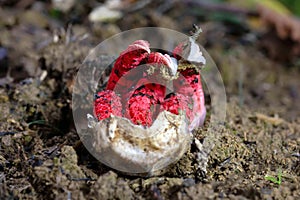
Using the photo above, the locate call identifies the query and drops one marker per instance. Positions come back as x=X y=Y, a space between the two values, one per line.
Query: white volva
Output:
x=134 y=149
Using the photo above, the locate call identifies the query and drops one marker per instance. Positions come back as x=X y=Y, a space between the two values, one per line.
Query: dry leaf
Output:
x=287 y=26
x=271 y=120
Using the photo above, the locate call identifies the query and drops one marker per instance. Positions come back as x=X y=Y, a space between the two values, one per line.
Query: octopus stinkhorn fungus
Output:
x=142 y=129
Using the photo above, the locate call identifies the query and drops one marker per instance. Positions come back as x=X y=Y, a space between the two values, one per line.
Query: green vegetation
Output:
x=277 y=180
x=292 y=5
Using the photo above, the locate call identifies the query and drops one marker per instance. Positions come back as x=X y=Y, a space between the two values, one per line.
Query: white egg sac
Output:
x=136 y=150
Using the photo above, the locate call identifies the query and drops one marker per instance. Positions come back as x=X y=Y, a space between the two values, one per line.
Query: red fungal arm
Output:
x=107 y=103
x=177 y=103
x=134 y=55
x=144 y=104
x=189 y=84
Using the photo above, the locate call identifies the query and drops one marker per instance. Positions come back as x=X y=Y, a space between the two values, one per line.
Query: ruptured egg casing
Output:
x=136 y=150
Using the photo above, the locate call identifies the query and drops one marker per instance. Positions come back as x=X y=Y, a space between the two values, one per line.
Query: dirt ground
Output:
x=41 y=156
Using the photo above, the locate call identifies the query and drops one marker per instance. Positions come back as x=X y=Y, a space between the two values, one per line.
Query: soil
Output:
x=41 y=156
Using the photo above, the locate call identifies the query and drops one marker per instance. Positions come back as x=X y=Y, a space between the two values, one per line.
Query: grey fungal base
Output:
x=136 y=150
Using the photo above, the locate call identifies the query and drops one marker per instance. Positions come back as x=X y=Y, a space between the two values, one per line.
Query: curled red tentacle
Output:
x=107 y=103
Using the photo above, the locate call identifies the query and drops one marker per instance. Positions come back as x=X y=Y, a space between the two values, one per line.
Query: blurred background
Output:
x=254 y=43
